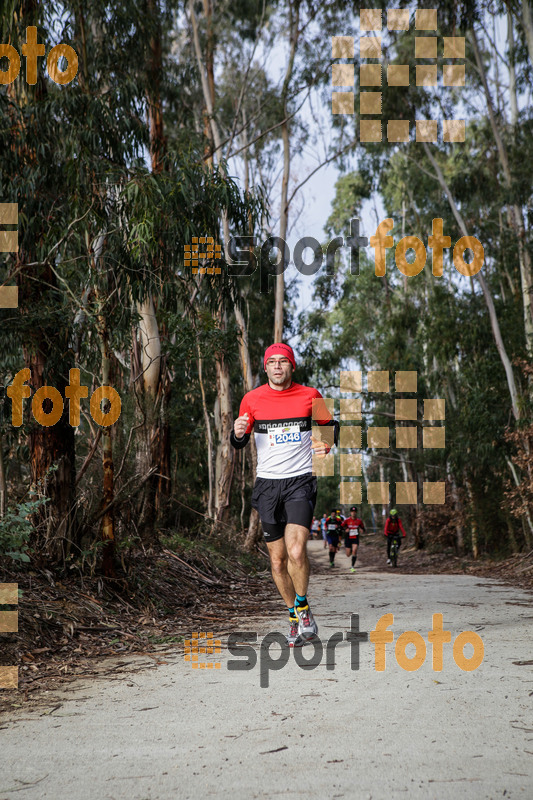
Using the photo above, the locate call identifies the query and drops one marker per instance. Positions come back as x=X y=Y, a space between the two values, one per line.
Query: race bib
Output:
x=288 y=434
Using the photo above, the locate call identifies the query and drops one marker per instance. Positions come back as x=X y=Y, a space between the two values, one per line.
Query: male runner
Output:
x=352 y=525
x=281 y=414
x=393 y=525
x=333 y=526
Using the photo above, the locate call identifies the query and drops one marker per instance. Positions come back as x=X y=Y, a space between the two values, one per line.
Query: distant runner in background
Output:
x=351 y=526
x=333 y=525
x=315 y=528
x=393 y=526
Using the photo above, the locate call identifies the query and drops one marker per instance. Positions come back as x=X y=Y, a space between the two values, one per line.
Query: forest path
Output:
x=176 y=732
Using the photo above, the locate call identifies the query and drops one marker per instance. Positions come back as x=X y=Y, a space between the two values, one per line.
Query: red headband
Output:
x=280 y=350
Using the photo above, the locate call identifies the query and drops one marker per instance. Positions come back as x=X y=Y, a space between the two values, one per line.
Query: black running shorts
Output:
x=282 y=501
x=349 y=540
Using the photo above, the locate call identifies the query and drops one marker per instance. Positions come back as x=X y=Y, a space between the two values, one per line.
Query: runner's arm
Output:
x=402 y=528
x=245 y=421
x=239 y=443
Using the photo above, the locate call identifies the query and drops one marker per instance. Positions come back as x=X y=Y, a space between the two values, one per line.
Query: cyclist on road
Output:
x=352 y=525
x=333 y=526
x=281 y=414
x=393 y=526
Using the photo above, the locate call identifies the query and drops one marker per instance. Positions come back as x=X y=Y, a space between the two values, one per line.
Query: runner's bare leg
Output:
x=296 y=537
x=279 y=560
x=289 y=562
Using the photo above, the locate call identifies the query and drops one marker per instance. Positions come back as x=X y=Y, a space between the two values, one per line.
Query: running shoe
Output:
x=389 y=561
x=294 y=639
x=307 y=628
x=352 y=569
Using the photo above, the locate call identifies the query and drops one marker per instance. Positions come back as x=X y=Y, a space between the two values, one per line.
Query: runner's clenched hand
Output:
x=320 y=449
x=240 y=425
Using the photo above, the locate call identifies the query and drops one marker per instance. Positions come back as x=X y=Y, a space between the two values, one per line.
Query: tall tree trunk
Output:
x=208 y=436
x=528 y=529
x=108 y=520
x=459 y=535
x=254 y=534
x=225 y=456
x=512 y=537
x=294 y=21
x=52 y=458
x=52 y=449
x=149 y=397
x=225 y=453
x=473 y=529
x=489 y=302
x=159 y=386
x=518 y=220
x=527 y=23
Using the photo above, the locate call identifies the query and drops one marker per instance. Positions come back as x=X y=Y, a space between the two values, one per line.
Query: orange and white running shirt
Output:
x=281 y=422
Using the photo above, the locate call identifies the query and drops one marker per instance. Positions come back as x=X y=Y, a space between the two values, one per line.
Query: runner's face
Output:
x=353 y=514
x=279 y=371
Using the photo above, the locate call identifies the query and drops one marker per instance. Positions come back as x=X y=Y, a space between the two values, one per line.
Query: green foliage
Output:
x=16 y=528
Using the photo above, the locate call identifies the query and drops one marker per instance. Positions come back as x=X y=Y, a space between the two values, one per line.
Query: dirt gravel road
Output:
x=176 y=732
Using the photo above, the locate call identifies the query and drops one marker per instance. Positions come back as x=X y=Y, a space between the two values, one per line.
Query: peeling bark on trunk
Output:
x=149 y=397
x=225 y=452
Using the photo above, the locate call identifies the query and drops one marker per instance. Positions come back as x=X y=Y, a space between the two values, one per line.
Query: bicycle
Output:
x=395 y=546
